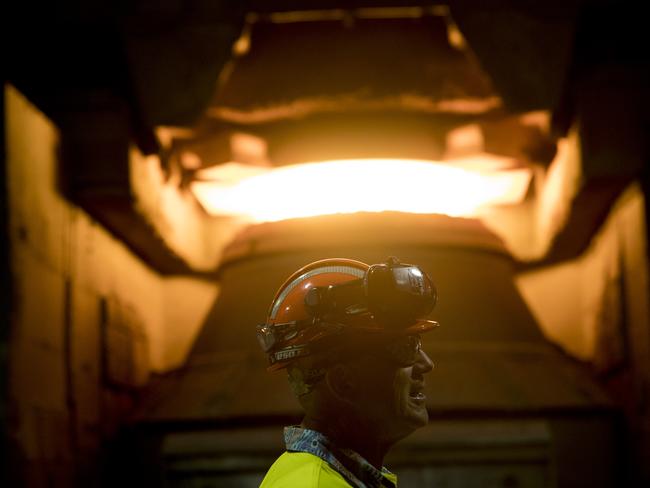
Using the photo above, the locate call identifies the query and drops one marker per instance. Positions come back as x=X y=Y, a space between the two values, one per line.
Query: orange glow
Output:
x=347 y=186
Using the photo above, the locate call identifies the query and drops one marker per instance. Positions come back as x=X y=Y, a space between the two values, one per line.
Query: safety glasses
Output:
x=405 y=351
x=268 y=335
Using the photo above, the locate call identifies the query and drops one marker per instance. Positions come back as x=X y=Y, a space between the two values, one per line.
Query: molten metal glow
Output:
x=348 y=186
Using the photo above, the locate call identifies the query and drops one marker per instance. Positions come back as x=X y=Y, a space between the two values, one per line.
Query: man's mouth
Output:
x=417 y=392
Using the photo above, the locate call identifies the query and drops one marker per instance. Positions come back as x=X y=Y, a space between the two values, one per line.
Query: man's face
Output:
x=391 y=393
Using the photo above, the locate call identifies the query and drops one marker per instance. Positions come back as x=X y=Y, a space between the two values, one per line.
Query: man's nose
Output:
x=423 y=364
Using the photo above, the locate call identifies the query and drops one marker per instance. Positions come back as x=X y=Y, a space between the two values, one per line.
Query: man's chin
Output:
x=412 y=415
x=418 y=414
x=416 y=418
x=421 y=419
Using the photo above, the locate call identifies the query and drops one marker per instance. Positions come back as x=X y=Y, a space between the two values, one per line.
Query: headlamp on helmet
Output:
x=395 y=294
x=333 y=297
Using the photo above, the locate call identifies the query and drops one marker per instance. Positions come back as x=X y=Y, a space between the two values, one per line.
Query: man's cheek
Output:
x=400 y=398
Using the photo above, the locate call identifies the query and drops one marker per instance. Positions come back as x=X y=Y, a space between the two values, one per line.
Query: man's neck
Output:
x=347 y=434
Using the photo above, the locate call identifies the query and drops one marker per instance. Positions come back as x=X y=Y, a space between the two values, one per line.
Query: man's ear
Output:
x=341 y=381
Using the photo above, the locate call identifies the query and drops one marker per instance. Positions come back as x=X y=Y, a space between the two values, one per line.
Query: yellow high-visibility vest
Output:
x=304 y=470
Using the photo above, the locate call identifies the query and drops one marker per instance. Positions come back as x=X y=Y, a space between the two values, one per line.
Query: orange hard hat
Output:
x=331 y=298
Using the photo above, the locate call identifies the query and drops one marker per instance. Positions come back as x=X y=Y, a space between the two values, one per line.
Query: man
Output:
x=348 y=335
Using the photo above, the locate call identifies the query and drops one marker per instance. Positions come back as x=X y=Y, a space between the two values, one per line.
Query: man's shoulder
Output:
x=302 y=469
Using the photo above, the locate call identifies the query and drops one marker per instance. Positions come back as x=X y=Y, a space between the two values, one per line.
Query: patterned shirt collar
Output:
x=354 y=468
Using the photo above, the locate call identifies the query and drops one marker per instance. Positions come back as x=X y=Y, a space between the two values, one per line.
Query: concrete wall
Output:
x=90 y=322
x=588 y=304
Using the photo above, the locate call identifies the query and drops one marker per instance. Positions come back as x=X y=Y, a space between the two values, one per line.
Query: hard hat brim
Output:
x=420 y=327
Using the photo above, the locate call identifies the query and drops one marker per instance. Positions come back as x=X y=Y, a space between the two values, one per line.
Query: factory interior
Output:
x=167 y=165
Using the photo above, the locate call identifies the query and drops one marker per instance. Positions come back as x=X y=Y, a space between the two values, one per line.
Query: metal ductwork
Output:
x=506 y=407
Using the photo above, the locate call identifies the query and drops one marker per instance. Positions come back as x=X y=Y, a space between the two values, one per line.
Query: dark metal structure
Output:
x=508 y=408
x=142 y=64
